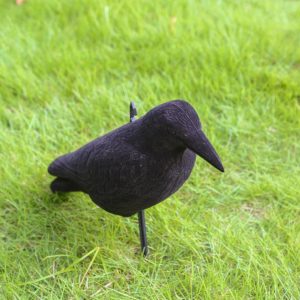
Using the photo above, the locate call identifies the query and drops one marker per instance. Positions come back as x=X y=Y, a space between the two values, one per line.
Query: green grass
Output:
x=68 y=70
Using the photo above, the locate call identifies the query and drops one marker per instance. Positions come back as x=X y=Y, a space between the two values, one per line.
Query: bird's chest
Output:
x=165 y=174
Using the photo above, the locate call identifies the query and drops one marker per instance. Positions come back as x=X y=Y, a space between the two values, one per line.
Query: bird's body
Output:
x=137 y=165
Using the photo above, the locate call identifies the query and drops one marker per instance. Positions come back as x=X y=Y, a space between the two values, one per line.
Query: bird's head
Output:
x=178 y=126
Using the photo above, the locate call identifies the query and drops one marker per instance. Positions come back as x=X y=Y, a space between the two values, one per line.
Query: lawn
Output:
x=68 y=70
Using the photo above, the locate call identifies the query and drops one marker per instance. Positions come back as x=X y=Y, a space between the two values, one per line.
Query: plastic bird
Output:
x=139 y=164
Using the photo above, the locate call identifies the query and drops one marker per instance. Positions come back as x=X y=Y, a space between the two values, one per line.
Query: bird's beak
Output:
x=199 y=143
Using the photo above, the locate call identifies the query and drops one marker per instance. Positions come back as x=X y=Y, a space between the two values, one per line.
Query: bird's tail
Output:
x=64 y=185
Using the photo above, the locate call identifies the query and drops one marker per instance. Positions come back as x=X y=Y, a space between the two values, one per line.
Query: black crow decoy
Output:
x=138 y=164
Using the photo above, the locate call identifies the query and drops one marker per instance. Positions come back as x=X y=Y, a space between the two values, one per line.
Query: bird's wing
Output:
x=118 y=173
x=99 y=166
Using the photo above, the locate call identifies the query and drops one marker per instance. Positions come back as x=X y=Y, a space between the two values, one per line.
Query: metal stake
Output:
x=141 y=214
